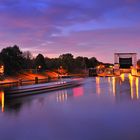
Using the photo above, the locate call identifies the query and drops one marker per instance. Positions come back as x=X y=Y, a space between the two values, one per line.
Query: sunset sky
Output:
x=81 y=27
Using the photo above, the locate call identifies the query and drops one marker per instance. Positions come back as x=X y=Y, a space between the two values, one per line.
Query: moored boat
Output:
x=40 y=88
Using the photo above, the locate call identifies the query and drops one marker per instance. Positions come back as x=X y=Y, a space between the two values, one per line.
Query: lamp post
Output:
x=60 y=72
x=38 y=68
x=1 y=72
x=1 y=69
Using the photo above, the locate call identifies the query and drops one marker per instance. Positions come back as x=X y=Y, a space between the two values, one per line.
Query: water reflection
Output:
x=98 y=89
x=126 y=84
x=62 y=96
x=134 y=86
x=114 y=85
x=78 y=91
x=125 y=87
x=2 y=100
x=90 y=111
x=122 y=77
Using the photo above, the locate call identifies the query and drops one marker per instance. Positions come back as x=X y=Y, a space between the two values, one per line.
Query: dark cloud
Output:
x=37 y=22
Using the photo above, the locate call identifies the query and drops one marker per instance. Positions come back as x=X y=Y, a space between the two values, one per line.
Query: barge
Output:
x=40 y=88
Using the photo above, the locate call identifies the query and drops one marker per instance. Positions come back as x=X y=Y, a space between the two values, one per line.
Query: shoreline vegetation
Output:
x=21 y=66
x=29 y=78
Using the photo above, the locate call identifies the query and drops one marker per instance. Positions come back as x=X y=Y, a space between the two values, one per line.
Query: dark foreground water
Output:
x=100 y=109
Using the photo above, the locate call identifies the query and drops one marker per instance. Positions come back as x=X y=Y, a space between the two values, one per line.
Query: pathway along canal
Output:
x=102 y=108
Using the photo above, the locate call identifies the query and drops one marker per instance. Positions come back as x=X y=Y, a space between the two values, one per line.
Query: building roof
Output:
x=125 y=53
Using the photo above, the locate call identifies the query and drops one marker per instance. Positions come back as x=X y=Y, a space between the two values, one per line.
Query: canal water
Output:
x=100 y=109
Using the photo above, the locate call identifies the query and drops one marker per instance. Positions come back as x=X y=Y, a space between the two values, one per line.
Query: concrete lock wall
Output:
x=130 y=67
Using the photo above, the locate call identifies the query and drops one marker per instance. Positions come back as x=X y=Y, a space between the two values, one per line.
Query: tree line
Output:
x=15 y=61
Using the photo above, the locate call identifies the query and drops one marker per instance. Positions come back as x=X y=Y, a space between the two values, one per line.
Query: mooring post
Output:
x=20 y=82
x=36 y=80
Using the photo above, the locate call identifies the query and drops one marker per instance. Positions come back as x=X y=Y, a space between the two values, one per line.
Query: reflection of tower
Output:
x=134 y=87
x=137 y=87
x=124 y=87
x=121 y=88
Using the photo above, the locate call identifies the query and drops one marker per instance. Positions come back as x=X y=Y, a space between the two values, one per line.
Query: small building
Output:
x=125 y=63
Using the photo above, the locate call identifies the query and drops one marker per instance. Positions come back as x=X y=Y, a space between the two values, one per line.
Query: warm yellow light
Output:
x=109 y=80
x=1 y=69
x=2 y=100
x=114 y=85
x=98 y=67
x=137 y=87
x=122 y=77
x=131 y=85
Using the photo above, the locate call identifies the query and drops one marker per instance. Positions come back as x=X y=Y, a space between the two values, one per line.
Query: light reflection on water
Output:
x=2 y=100
x=101 y=108
x=61 y=96
x=124 y=84
x=98 y=90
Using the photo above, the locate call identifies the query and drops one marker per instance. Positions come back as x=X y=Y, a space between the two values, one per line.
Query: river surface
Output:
x=100 y=109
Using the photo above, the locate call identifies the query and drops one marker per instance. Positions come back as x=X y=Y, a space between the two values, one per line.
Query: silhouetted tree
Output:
x=48 y=63
x=40 y=63
x=28 y=60
x=79 y=63
x=93 y=62
x=55 y=63
x=15 y=60
x=86 y=62
x=67 y=61
x=12 y=59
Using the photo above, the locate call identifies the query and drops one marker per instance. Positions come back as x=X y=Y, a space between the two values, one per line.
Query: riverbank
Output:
x=30 y=78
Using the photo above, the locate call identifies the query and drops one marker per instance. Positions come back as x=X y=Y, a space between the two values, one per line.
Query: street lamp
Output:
x=1 y=72
x=1 y=69
x=39 y=67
